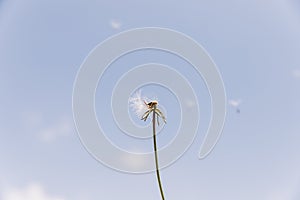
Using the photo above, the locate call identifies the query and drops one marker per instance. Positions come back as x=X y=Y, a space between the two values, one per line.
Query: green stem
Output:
x=156 y=157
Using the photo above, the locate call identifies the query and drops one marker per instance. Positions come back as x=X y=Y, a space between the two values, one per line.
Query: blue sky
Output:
x=255 y=45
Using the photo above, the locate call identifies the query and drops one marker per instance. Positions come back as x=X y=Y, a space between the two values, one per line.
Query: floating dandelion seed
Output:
x=143 y=108
x=236 y=104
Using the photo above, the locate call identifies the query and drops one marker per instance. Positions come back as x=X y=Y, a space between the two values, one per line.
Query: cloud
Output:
x=296 y=73
x=190 y=103
x=282 y=193
x=36 y=122
x=63 y=127
x=31 y=192
x=115 y=24
x=32 y=119
x=234 y=103
x=134 y=162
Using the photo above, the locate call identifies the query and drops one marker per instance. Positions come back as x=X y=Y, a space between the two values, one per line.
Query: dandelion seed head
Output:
x=138 y=104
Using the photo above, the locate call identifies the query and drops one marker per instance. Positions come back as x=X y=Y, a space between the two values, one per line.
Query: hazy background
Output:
x=255 y=45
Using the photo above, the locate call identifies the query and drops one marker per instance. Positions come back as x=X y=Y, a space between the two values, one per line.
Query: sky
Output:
x=255 y=45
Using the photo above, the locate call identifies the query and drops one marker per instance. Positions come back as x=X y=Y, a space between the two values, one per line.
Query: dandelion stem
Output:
x=156 y=156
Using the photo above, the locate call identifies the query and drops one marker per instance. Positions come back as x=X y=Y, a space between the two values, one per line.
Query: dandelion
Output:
x=143 y=107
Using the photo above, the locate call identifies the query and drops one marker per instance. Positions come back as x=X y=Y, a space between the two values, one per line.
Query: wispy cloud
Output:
x=62 y=128
x=296 y=73
x=33 y=191
x=134 y=162
x=32 y=119
x=115 y=24
x=190 y=103
x=45 y=129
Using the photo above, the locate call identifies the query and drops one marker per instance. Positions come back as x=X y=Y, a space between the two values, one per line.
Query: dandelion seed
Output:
x=137 y=103
x=236 y=104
